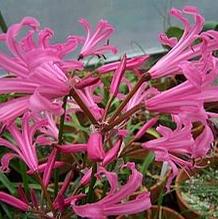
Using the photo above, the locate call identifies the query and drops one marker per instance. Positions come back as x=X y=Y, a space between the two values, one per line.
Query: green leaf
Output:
x=77 y=124
x=174 y=32
x=7 y=211
x=6 y=182
x=3 y=24
x=153 y=132
x=17 y=169
x=210 y=25
x=147 y=162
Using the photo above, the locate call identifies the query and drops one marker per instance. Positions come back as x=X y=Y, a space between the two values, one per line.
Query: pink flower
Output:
x=112 y=203
x=95 y=148
x=183 y=50
x=203 y=143
x=28 y=53
x=141 y=95
x=111 y=155
x=183 y=100
x=178 y=147
x=39 y=91
x=102 y=33
x=36 y=71
x=13 y=108
x=22 y=144
x=21 y=205
x=187 y=99
x=49 y=132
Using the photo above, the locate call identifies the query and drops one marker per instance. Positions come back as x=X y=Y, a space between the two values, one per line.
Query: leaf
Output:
x=153 y=132
x=147 y=162
x=24 y=176
x=6 y=182
x=174 y=32
x=7 y=211
x=77 y=124
x=210 y=25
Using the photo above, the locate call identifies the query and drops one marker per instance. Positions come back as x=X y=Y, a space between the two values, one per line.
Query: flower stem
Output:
x=45 y=192
x=61 y=126
x=145 y=77
x=90 y=197
x=123 y=117
x=83 y=106
x=60 y=141
x=108 y=107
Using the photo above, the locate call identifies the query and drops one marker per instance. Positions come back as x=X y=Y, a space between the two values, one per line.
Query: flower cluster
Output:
x=51 y=100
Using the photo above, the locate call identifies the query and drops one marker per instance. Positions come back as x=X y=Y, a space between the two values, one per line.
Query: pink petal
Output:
x=16 y=85
x=133 y=183
x=203 y=143
x=112 y=154
x=145 y=127
x=41 y=167
x=131 y=63
x=86 y=82
x=13 y=108
x=117 y=77
x=86 y=177
x=102 y=33
x=40 y=103
x=140 y=204
x=167 y=41
x=58 y=200
x=13 y=201
x=13 y=66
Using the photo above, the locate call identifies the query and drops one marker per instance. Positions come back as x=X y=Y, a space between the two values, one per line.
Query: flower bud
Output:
x=95 y=147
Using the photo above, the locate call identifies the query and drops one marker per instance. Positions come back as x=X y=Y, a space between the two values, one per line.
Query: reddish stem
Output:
x=145 y=77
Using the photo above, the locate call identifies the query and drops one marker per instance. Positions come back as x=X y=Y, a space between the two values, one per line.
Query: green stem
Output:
x=3 y=24
x=145 y=77
x=61 y=126
x=90 y=197
x=60 y=141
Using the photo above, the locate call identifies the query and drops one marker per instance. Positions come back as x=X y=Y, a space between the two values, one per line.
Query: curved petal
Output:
x=13 y=108
x=140 y=204
x=72 y=148
x=133 y=183
x=40 y=103
x=5 y=160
